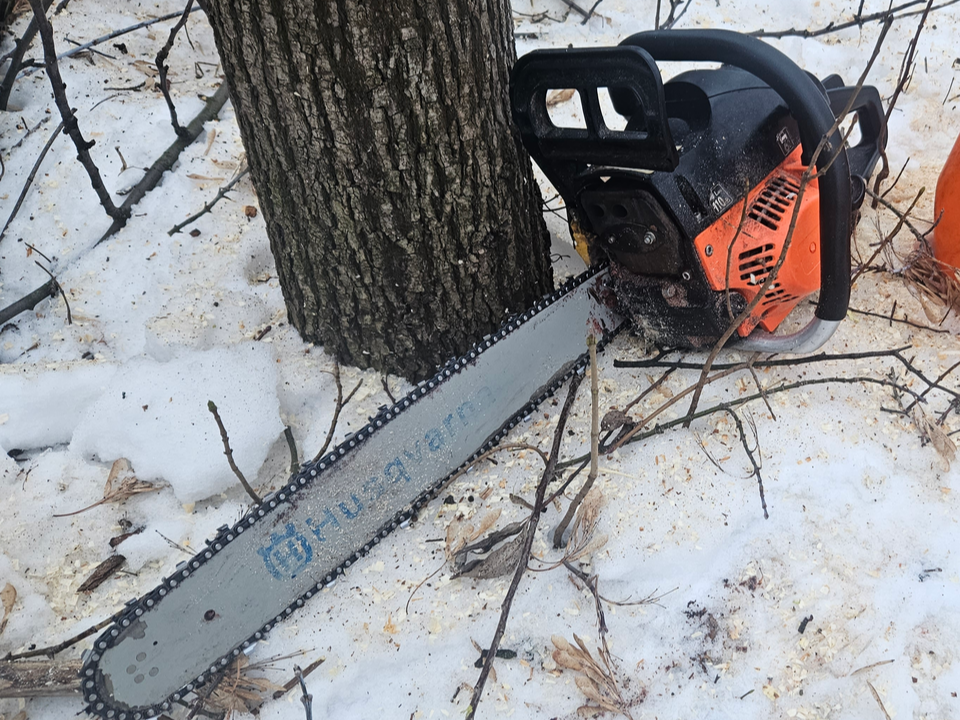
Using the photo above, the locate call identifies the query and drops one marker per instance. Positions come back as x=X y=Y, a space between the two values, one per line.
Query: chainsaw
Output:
x=682 y=213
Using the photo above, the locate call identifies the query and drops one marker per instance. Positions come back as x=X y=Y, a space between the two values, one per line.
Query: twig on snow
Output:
x=897 y=179
x=920 y=236
x=659 y=429
x=904 y=320
x=112 y=35
x=29 y=131
x=858 y=21
x=30 y=177
x=221 y=193
x=386 y=389
x=16 y=59
x=229 y=453
x=163 y=163
x=28 y=302
x=590 y=12
x=299 y=674
x=292 y=445
x=529 y=533
x=70 y=126
x=894 y=353
x=52 y=650
x=672 y=16
x=162 y=69
x=906 y=72
x=577 y=9
x=101 y=573
x=750 y=453
x=149 y=181
x=305 y=697
x=876 y=696
x=885 y=243
x=40 y=678
x=92 y=51
x=594 y=446
x=60 y=288
x=341 y=403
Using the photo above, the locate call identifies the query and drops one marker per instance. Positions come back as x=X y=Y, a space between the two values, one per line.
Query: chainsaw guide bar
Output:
x=332 y=512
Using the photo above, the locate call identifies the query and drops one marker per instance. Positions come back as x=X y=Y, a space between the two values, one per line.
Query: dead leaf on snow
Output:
x=501 y=561
x=594 y=679
x=8 y=596
x=941 y=442
x=241 y=692
x=147 y=68
x=583 y=540
x=128 y=487
x=460 y=534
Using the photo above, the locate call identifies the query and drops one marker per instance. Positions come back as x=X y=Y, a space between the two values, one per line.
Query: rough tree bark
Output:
x=401 y=207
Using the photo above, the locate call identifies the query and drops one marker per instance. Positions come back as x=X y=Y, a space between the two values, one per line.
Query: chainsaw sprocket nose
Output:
x=694 y=201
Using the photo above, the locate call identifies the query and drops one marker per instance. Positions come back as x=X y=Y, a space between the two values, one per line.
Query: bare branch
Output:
x=153 y=175
x=69 y=642
x=16 y=59
x=60 y=289
x=162 y=69
x=222 y=193
x=858 y=20
x=341 y=403
x=70 y=125
x=229 y=453
x=29 y=181
x=906 y=71
x=529 y=533
x=28 y=302
x=594 y=443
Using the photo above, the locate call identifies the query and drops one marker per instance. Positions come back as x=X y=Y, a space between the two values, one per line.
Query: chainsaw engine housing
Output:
x=692 y=202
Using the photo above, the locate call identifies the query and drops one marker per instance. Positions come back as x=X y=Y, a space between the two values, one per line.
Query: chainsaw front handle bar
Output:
x=815 y=118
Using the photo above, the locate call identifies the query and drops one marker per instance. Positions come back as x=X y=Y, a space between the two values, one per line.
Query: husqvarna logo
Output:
x=287 y=554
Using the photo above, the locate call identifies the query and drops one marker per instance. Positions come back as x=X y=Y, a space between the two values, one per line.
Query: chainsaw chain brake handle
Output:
x=563 y=151
x=636 y=90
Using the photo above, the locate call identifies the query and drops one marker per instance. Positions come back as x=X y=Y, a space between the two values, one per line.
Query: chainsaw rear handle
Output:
x=815 y=118
x=863 y=156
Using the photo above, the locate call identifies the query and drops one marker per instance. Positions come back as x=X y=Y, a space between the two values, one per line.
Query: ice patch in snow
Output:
x=155 y=415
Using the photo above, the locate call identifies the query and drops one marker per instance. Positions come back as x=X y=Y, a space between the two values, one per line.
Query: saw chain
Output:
x=252 y=575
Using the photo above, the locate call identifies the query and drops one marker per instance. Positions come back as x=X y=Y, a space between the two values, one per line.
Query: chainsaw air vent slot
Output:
x=774 y=201
x=755 y=263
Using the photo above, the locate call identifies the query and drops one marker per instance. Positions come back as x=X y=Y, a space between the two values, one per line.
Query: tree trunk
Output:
x=401 y=208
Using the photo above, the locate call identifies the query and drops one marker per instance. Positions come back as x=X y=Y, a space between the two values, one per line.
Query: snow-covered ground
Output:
x=863 y=515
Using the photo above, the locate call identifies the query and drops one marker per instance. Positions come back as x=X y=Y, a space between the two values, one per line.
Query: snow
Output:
x=43 y=402
x=155 y=415
x=863 y=516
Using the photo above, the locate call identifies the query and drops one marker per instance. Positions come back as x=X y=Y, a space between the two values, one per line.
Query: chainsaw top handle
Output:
x=815 y=119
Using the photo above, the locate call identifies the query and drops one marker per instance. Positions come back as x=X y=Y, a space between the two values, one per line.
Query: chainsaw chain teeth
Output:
x=91 y=682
